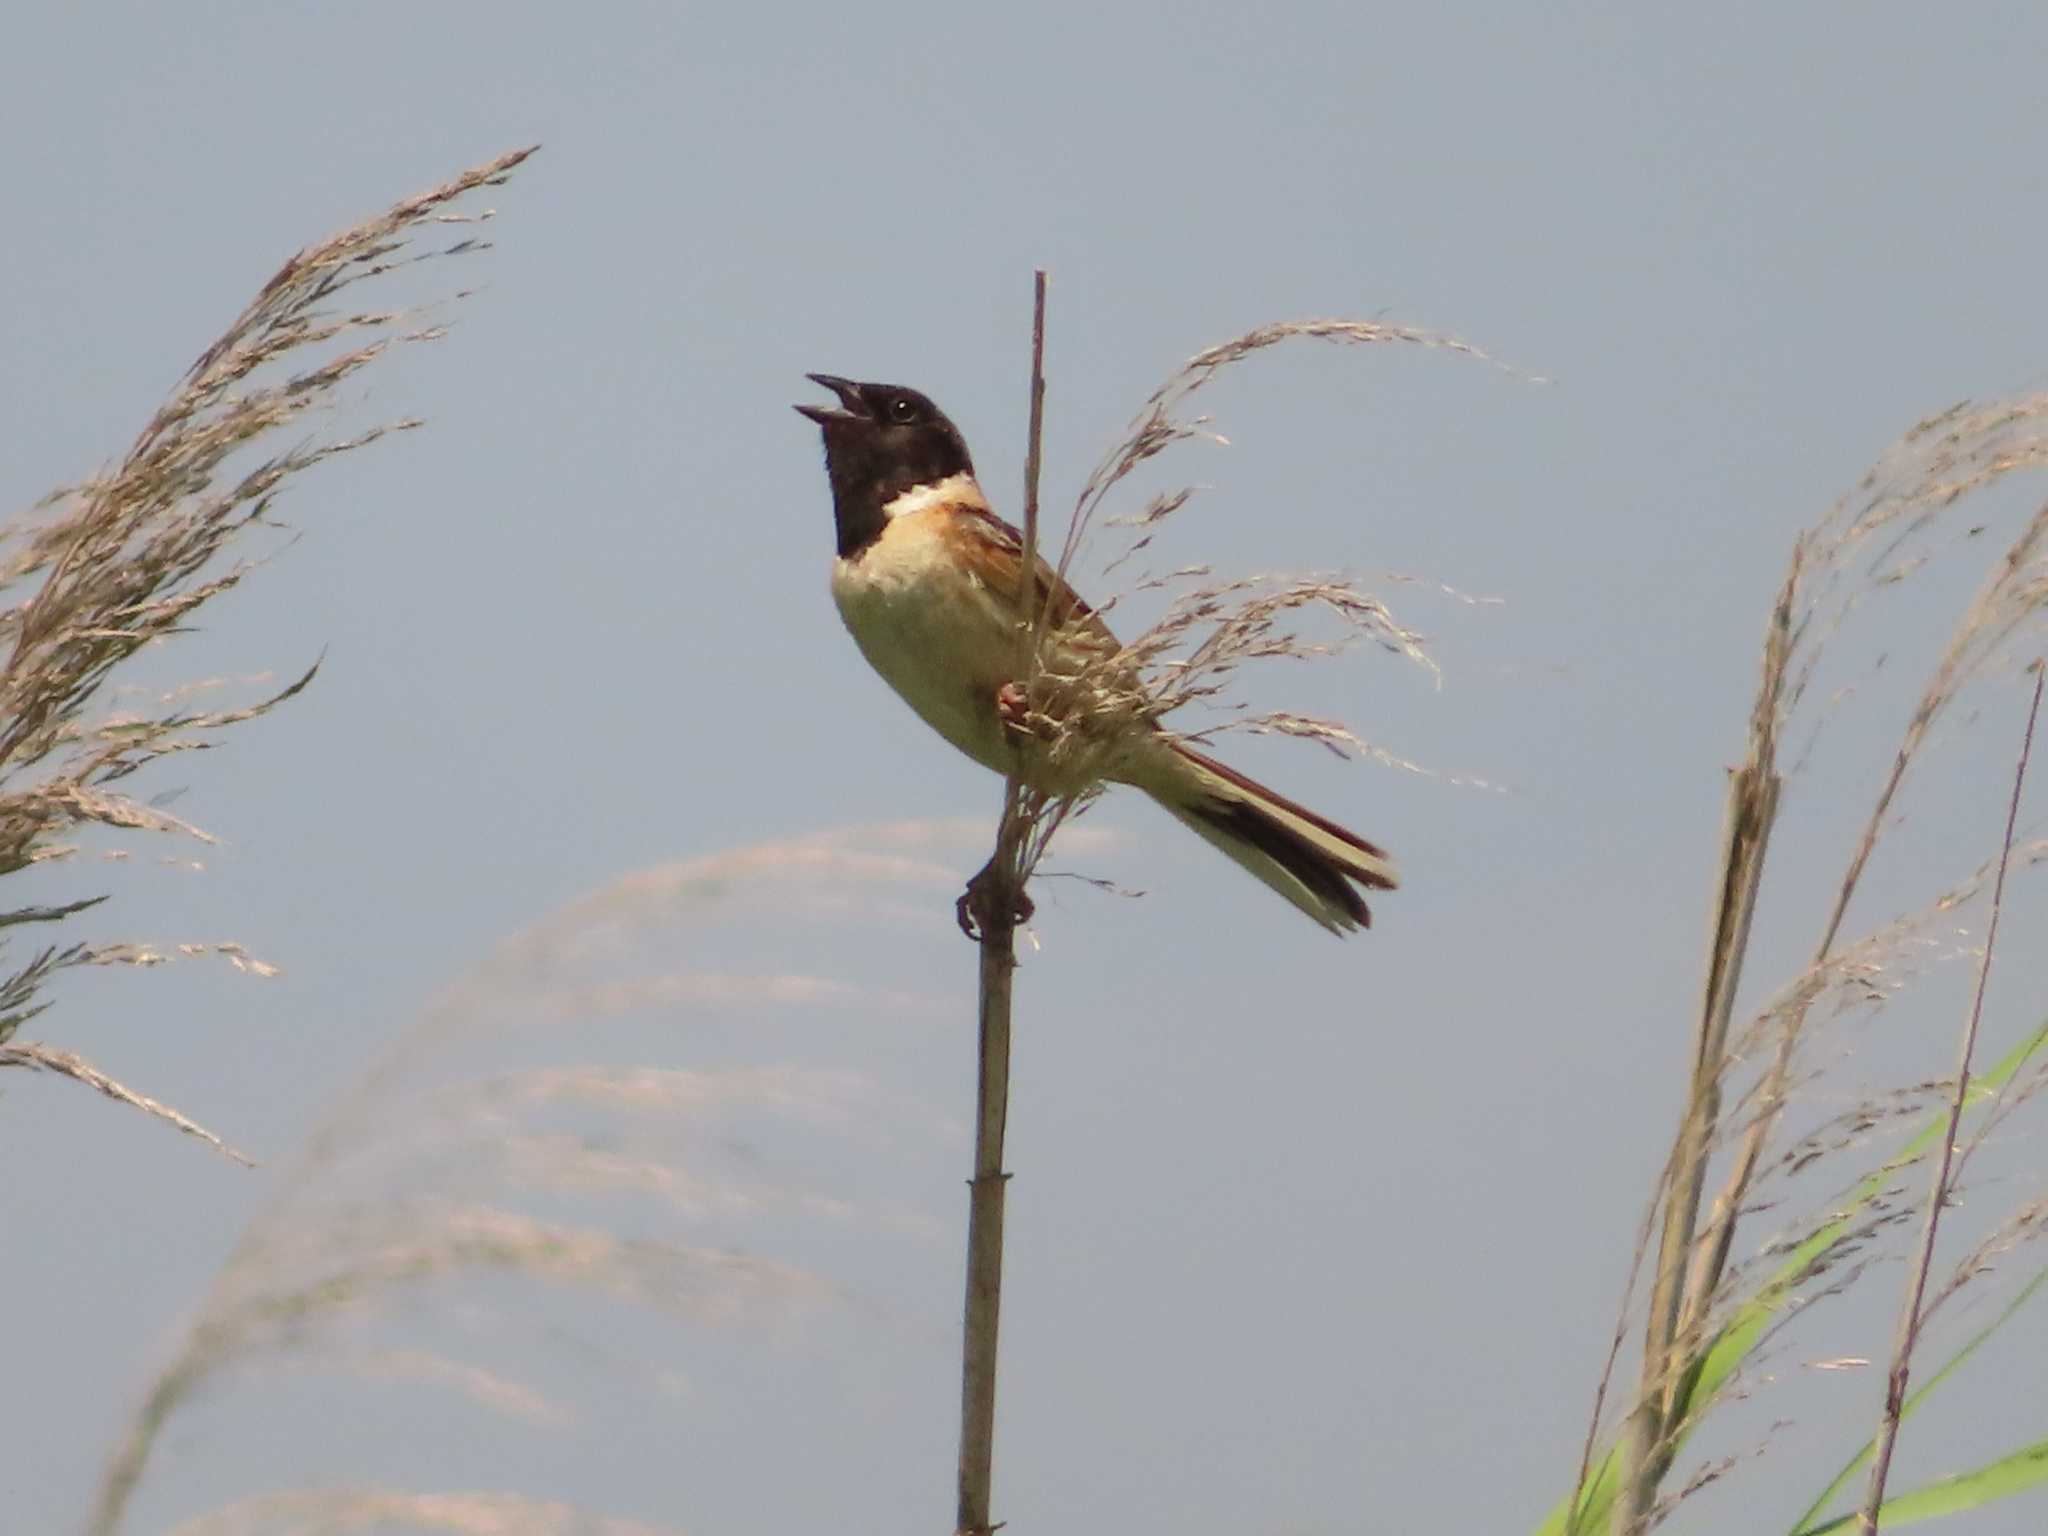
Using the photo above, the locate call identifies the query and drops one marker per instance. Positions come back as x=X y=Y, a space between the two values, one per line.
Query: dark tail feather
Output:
x=1243 y=822
x=1308 y=859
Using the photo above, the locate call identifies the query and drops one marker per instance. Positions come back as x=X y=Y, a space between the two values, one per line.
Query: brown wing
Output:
x=995 y=552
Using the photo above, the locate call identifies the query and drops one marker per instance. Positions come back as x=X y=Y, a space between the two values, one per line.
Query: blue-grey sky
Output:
x=1307 y=1236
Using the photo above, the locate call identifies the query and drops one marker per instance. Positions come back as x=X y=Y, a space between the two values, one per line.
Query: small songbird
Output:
x=931 y=584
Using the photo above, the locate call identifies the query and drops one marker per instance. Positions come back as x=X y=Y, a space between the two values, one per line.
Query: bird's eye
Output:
x=903 y=408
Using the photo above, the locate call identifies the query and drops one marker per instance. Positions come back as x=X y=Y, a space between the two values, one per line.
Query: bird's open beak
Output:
x=853 y=407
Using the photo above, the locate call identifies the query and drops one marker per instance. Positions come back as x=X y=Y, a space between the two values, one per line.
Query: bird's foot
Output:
x=1013 y=708
x=977 y=910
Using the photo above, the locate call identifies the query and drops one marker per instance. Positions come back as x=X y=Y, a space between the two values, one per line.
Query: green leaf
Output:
x=2013 y=1473
x=1588 y=1511
x=1585 y=1511
x=1862 y=1458
x=1740 y=1336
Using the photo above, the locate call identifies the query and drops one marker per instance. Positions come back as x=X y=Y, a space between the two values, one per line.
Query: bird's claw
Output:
x=1013 y=708
x=974 y=911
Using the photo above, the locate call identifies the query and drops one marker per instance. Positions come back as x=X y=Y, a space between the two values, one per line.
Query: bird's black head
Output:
x=883 y=440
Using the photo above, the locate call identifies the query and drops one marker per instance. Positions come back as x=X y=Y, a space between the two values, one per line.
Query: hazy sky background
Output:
x=1308 y=1237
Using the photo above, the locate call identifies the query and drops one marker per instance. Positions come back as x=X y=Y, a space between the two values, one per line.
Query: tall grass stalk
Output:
x=127 y=559
x=995 y=901
x=1747 y=818
x=1940 y=1185
x=1706 y=1315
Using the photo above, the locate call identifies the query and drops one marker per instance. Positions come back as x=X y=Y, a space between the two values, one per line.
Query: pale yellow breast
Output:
x=937 y=635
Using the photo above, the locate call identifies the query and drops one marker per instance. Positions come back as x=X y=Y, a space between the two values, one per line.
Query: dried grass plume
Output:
x=97 y=572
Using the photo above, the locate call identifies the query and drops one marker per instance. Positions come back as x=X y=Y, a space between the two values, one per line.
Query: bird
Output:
x=930 y=583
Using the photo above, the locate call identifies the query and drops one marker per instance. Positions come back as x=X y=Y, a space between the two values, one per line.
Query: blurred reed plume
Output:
x=507 y=1170
x=453 y=1514
x=1741 y=1146
x=98 y=571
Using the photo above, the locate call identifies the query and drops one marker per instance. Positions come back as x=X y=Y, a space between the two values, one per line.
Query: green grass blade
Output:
x=1740 y=1336
x=1586 y=1510
x=1861 y=1459
x=2012 y=1473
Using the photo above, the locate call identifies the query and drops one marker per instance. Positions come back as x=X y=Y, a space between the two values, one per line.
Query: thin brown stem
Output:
x=997 y=896
x=985 y=1223
x=1910 y=1315
x=1668 y=1342
x=1033 y=458
x=1678 y=1302
x=1941 y=688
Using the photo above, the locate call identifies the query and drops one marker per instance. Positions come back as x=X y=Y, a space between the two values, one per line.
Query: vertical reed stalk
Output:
x=1944 y=1168
x=997 y=901
x=1678 y=1308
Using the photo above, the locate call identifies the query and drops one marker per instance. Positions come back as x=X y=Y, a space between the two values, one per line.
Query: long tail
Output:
x=1312 y=862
